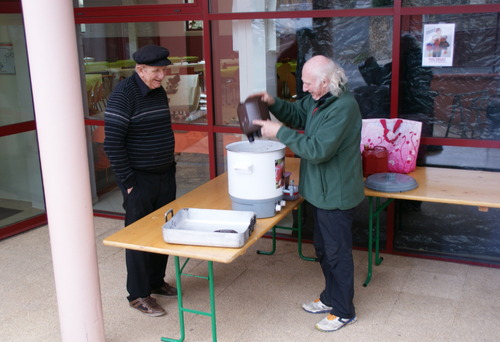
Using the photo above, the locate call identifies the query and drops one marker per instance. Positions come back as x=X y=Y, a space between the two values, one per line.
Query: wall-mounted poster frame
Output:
x=439 y=40
x=7 y=65
x=194 y=25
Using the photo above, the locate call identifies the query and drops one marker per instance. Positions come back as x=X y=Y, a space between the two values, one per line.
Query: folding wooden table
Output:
x=440 y=185
x=146 y=235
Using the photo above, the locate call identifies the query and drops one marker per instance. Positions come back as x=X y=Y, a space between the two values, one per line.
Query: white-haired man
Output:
x=331 y=177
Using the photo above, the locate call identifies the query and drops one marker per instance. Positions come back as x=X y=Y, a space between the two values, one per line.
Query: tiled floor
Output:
x=258 y=297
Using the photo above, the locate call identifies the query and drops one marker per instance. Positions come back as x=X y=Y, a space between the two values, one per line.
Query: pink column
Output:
x=55 y=77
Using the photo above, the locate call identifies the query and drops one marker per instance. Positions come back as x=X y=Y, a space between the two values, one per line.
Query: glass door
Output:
x=21 y=193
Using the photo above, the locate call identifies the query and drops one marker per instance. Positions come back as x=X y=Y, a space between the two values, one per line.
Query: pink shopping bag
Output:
x=400 y=137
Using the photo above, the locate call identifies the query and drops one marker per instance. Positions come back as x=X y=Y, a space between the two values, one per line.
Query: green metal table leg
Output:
x=271 y=252
x=374 y=215
x=179 y=302
x=379 y=209
x=212 y=299
x=370 y=241
x=182 y=309
x=299 y=237
x=378 y=260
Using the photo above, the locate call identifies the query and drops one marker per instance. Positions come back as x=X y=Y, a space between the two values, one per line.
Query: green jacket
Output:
x=331 y=175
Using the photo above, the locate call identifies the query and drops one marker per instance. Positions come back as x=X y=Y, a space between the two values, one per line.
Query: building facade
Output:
x=442 y=55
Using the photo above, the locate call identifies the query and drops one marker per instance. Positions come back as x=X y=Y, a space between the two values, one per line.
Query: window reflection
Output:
x=103 y=3
x=191 y=156
x=253 y=55
x=107 y=58
x=221 y=141
x=466 y=96
x=228 y=6
x=107 y=51
x=16 y=104
x=20 y=182
x=420 y=3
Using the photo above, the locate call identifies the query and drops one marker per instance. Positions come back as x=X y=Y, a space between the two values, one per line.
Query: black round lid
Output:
x=390 y=182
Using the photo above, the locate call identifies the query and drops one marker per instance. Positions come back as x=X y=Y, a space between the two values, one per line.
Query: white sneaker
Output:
x=316 y=307
x=333 y=323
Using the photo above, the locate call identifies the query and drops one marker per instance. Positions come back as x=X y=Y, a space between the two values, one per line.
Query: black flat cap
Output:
x=152 y=55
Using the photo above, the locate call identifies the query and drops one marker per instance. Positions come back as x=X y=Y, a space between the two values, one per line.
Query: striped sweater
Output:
x=138 y=130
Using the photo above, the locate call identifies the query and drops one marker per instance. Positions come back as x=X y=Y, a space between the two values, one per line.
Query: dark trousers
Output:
x=333 y=244
x=146 y=271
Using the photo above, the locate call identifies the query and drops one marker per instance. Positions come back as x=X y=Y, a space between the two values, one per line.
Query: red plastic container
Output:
x=374 y=160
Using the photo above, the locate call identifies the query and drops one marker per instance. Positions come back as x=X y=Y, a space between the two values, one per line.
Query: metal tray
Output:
x=208 y=227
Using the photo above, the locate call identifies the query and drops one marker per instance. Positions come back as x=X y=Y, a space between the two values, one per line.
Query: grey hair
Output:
x=338 y=79
x=335 y=75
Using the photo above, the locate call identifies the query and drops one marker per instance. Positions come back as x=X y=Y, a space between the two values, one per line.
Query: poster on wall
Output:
x=7 y=59
x=438 y=45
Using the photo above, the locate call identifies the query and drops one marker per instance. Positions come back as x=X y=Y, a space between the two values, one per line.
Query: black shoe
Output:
x=166 y=291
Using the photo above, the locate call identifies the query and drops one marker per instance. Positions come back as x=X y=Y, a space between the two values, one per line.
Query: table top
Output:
x=453 y=186
x=146 y=233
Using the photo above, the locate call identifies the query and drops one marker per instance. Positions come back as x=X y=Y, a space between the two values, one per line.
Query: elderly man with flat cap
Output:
x=140 y=146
